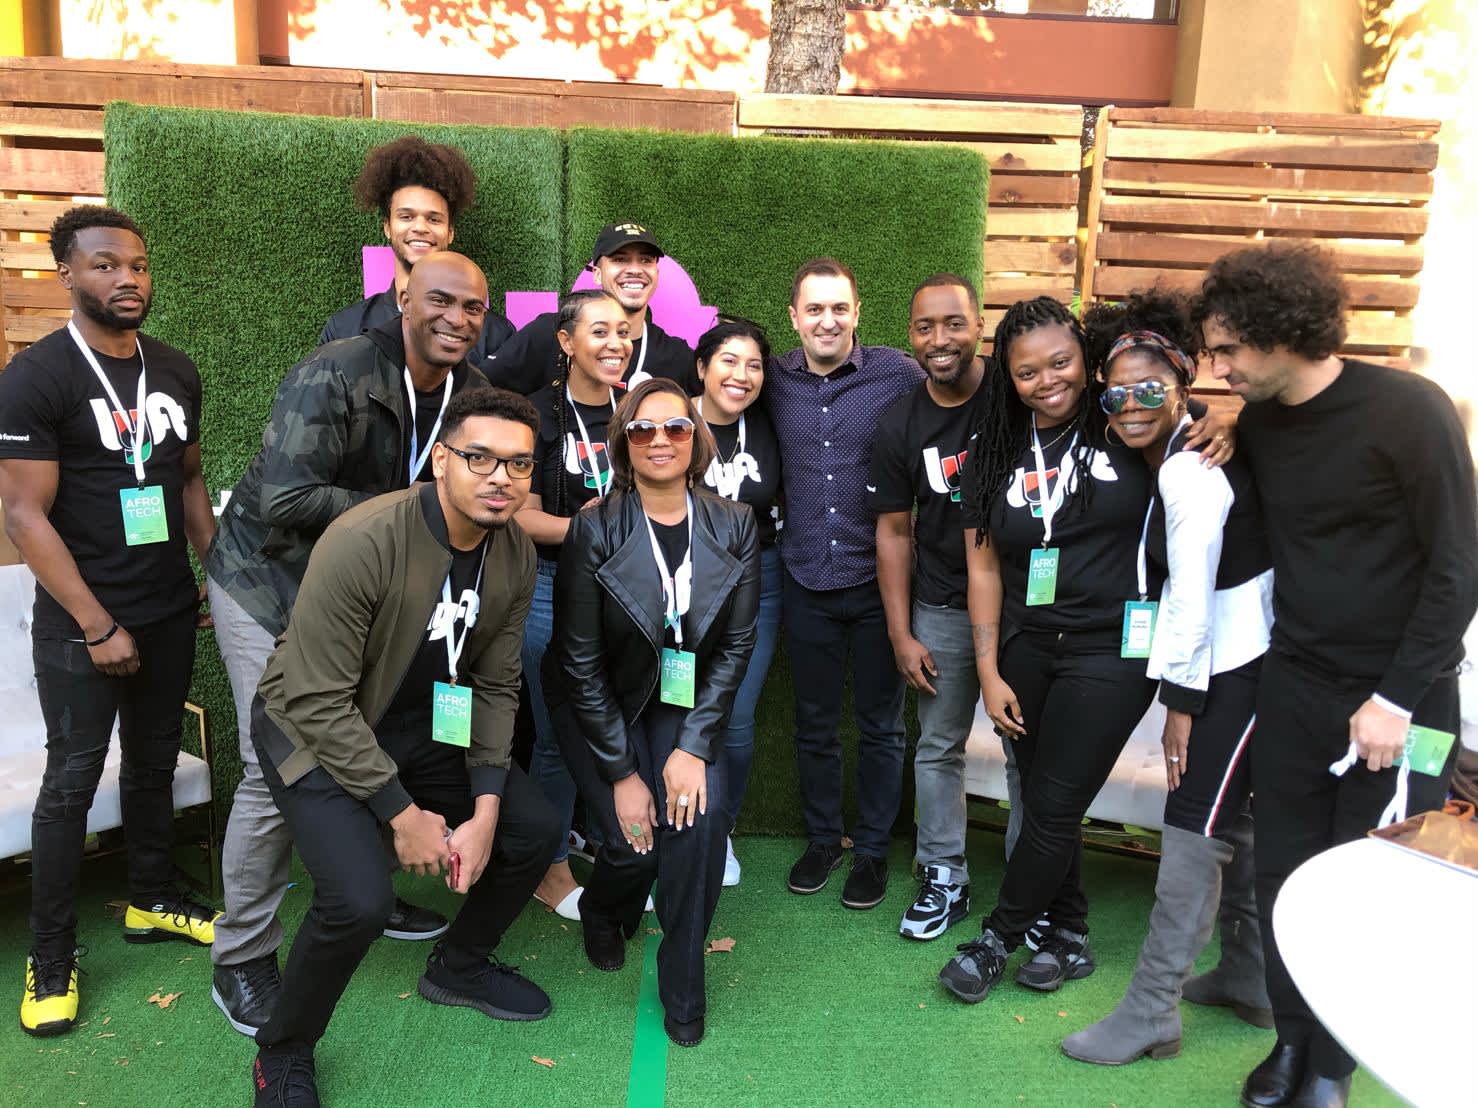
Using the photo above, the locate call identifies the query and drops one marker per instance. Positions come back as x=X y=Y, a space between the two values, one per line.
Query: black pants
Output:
x=822 y=629
x=79 y=705
x=1079 y=702
x=342 y=845
x=687 y=865
x=1218 y=772
x=1303 y=725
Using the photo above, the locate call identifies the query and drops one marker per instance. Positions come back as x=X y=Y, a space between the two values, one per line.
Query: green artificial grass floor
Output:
x=815 y=1005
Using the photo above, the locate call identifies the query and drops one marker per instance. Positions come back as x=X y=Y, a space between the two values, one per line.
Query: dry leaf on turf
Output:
x=164 y=1001
x=106 y=1035
x=1019 y=1019
x=1064 y=1014
x=720 y=946
x=404 y=995
x=547 y=1063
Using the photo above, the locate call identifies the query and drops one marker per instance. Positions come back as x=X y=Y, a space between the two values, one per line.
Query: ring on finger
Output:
x=1174 y=759
x=682 y=801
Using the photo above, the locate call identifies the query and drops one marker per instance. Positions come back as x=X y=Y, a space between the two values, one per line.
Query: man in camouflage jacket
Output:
x=353 y=421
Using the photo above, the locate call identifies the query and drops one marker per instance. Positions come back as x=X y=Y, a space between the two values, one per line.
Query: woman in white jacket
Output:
x=1205 y=641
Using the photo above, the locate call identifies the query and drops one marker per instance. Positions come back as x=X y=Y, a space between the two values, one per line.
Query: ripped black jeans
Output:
x=80 y=705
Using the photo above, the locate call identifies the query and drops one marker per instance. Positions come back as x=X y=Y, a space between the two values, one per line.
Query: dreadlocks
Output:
x=1005 y=421
x=571 y=307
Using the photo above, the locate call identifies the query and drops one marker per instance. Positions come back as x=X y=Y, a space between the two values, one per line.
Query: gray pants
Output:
x=945 y=720
x=257 y=856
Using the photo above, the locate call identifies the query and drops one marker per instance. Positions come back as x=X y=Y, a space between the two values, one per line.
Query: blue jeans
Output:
x=738 y=742
x=546 y=763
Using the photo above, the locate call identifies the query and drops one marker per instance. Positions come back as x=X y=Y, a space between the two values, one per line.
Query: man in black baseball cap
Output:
x=624 y=261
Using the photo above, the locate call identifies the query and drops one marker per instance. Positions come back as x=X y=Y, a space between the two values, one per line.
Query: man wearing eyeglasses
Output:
x=356 y=419
x=389 y=705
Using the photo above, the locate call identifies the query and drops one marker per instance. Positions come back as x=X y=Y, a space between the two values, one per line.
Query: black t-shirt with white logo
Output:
x=53 y=408
x=560 y=456
x=918 y=457
x=754 y=472
x=1097 y=540
x=413 y=698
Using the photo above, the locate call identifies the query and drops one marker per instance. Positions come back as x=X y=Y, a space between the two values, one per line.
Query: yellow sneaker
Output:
x=49 y=1004
x=174 y=917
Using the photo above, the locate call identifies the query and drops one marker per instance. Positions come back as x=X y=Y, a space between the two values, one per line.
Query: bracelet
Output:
x=108 y=634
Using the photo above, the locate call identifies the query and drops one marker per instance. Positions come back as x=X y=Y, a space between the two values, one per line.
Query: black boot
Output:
x=1277 y=1077
x=1318 y=1091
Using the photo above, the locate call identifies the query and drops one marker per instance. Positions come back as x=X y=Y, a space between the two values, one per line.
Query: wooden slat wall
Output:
x=1173 y=189
x=1035 y=156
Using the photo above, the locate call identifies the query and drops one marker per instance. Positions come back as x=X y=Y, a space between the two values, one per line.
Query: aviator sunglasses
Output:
x=1147 y=394
x=641 y=432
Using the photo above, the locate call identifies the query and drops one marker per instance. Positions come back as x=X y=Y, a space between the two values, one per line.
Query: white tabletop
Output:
x=1383 y=944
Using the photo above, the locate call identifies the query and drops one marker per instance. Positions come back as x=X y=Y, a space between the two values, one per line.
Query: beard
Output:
x=95 y=310
x=951 y=373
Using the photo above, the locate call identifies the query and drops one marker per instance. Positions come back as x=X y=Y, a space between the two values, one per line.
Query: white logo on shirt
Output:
x=1023 y=491
x=164 y=414
x=726 y=477
x=444 y=619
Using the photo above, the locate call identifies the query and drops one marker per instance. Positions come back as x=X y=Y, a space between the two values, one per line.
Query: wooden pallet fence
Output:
x=1035 y=157
x=1171 y=190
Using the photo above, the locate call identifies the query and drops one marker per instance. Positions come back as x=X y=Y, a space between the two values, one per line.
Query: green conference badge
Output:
x=1041 y=576
x=144 y=521
x=451 y=714
x=679 y=673
x=1426 y=749
x=1139 y=628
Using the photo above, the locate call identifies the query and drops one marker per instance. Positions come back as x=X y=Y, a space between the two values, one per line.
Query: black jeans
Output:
x=1217 y=775
x=342 y=846
x=687 y=865
x=1079 y=702
x=822 y=629
x=79 y=705
x=1301 y=809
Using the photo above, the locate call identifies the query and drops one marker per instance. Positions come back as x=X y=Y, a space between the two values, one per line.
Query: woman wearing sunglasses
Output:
x=1053 y=512
x=655 y=608
x=731 y=361
x=572 y=468
x=1206 y=641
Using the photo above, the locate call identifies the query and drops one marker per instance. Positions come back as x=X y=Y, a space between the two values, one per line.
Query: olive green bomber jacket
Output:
x=371 y=586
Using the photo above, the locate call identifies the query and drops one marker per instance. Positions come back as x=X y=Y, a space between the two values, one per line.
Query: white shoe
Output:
x=569 y=907
x=731 y=865
x=651 y=905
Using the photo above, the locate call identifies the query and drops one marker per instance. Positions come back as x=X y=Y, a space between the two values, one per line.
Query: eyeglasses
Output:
x=641 y=432
x=520 y=468
x=1147 y=394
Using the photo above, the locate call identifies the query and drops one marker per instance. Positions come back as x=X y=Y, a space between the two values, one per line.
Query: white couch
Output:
x=23 y=733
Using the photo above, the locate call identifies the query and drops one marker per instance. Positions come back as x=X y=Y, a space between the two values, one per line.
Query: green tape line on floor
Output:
x=647 y=1087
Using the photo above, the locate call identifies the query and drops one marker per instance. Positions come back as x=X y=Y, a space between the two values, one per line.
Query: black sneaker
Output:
x=974 y=971
x=1036 y=933
x=493 y=988
x=867 y=884
x=284 y=1079
x=414 y=924
x=684 y=1032
x=813 y=871
x=605 y=942
x=1063 y=956
x=247 y=992
x=938 y=907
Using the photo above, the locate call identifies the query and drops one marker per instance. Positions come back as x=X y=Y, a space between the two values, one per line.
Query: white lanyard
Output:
x=454 y=648
x=1141 y=566
x=137 y=431
x=418 y=457
x=600 y=489
x=1395 y=811
x=676 y=588
x=735 y=456
x=1050 y=504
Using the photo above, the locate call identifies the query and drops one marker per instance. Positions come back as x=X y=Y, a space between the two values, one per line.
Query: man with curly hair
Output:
x=419 y=189
x=1367 y=489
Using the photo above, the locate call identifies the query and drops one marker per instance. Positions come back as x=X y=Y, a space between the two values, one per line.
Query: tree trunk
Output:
x=807 y=38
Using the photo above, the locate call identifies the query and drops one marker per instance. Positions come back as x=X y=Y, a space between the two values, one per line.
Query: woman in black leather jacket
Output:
x=655 y=605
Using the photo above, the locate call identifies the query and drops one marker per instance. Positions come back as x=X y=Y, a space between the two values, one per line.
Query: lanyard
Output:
x=418 y=457
x=600 y=489
x=454 y=648
x=1141 y=566
x=719 y=461
x=1050 y=504
x=137 y=431
x=674 y=596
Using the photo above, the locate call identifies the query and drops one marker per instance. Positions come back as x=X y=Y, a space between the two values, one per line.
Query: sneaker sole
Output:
x=1159 y=1052
x=417 y=936
x=143 y=935
x=861 y=905
x=956 y=915
x=968 y=998
x=245 y=1029
x=1074 y=973
x=50 y=1029
x=438 y=995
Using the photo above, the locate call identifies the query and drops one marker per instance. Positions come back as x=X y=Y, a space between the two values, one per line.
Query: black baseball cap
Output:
x=613 y=236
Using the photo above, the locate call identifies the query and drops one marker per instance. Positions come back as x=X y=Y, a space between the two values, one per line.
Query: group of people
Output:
x=447 y=514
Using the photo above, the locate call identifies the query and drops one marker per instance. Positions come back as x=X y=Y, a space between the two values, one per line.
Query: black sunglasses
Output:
x=1147 y=394
x=642 y=432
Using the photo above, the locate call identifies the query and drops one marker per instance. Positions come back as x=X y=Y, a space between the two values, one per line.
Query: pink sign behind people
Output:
x=675 y=305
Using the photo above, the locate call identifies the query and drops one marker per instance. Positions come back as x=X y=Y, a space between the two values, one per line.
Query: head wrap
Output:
x=1181 y=362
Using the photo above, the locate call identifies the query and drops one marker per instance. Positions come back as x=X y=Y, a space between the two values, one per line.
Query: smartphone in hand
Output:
x=455 y=866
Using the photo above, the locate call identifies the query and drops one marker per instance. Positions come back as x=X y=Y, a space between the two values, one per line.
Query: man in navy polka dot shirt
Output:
x=825 y=399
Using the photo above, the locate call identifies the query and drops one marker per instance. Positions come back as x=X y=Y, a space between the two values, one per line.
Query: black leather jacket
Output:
x=605 y=656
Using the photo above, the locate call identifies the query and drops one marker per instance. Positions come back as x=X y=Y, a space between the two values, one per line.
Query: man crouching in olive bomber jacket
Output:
x=391 y=699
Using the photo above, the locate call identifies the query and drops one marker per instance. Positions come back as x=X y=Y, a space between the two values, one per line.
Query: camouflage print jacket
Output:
x=337 y=437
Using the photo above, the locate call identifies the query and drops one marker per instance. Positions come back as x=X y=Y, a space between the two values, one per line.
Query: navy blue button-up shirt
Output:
x=826 y=427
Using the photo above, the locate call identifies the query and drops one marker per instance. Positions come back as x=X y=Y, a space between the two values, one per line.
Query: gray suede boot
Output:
x=1238 y=982
x=1147 y=1020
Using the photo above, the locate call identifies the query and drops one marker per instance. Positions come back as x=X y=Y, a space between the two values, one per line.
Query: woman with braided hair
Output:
x=1054 y=513
x=572 y=469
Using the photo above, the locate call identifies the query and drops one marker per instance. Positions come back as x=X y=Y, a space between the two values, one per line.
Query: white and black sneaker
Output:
x=938 y=907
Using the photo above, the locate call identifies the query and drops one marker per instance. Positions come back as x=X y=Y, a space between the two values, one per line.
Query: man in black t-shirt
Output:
x=100 y=477
x=624 y=261
x=419 y=189
x=1367 y=491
